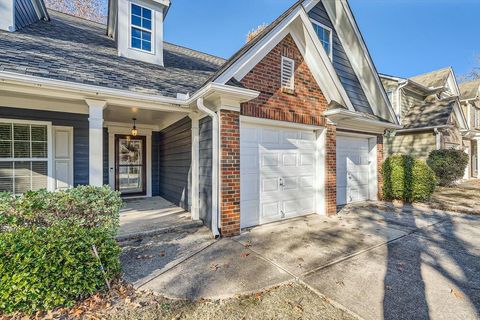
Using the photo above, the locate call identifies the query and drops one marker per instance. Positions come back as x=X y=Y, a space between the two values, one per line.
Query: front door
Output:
x=130 y=165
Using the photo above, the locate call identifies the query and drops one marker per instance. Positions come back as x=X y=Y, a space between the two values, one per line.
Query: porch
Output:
x=150 y=215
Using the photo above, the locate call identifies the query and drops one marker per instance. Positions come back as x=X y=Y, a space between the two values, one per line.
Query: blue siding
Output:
x=342 y=64
x=105 y=156
x=25 y=13
x=155 y=164
x=175 y=158
x=79 y=122
x=205 y=170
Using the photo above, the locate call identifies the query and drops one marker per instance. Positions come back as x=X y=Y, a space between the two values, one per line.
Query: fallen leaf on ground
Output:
x=457 y=294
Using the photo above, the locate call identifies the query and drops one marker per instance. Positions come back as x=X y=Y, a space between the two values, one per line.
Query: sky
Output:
x=404 y=37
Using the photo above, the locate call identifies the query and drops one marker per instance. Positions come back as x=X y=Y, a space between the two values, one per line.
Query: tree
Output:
x=95 y=10
x=474 y=74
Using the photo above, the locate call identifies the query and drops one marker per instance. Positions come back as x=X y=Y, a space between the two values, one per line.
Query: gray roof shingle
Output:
x=77 y=50
x=433 y=79
x=429 y=114
x=470 y=89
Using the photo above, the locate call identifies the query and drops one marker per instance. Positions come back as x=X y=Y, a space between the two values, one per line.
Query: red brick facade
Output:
x=230 y=172
x=379 y=166
x=305 y=104
x=331 y=171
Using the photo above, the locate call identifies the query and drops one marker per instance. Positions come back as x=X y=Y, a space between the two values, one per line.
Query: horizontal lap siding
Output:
x=342 y=64
x=205 y=170
x=25 y=13
x=174 y=162
x=79 y=122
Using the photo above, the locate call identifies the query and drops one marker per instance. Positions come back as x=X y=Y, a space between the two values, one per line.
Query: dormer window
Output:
x=324 y=34
x=141 y=28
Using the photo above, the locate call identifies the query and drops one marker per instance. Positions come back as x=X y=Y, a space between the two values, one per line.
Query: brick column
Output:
x=379 y=167
x=331 y=170
x=230 y=172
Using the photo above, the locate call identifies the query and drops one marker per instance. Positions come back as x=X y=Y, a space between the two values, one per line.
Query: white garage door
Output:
x=353 y=169
x=277 y=167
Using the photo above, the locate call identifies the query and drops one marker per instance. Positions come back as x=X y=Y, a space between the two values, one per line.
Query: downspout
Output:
x=215 y=164
x=438 y=142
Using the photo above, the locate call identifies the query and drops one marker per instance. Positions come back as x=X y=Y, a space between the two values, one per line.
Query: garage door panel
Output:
x=353 y=169
x=282 y=154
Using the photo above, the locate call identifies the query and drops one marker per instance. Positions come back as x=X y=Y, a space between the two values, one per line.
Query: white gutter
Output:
x=215 y=165
x=425 y=128
x=97 y=92
x=352 y=115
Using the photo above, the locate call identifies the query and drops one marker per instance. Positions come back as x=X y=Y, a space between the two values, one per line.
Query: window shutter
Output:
x=287 y=76
x=63 y=157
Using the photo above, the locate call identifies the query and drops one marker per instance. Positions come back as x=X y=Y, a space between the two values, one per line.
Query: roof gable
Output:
x=295 y=22
x=350 y=36
x=470 y=90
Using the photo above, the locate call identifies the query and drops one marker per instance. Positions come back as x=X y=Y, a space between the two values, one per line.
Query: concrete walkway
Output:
x=148 y=215
x=376 y=260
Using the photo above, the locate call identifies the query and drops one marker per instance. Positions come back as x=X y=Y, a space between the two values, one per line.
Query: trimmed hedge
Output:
x=46 y=255
x=449 y=165
x=86 y=206
x=407 y=179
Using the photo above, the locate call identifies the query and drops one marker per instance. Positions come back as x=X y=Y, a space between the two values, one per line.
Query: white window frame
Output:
x=330 y=54
x=130 y=26
x=292 y=83
x=50 y=180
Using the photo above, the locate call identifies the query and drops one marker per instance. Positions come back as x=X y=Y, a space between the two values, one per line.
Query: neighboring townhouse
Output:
x=470 y=100
x=291 y=124
x=428 y=108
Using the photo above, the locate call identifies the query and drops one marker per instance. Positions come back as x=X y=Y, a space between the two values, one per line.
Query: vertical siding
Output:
x=105 y=156
x=79 y=122
x=342 y=64
x=175 y=158
x=25 y=13
x=155 y=163
x=205 y=170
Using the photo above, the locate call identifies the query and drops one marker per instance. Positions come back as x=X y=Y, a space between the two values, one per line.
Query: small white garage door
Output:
x=277 y=179
x=353 y=169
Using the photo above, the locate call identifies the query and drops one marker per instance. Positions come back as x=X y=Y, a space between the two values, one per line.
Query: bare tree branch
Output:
x=95 y=10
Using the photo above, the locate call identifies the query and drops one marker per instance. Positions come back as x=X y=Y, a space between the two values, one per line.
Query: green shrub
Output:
x=84 y=205
x=45 y=267
x=407 y=179
x=448 y=165
x=46 y=238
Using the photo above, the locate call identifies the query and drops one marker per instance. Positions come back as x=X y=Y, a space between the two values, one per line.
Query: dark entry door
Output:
x=130 y=165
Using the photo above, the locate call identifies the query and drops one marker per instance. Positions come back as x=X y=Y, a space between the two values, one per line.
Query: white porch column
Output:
x=195 y=167
x=95 y=141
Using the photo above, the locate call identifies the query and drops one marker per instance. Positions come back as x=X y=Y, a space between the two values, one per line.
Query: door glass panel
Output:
x=130 y=166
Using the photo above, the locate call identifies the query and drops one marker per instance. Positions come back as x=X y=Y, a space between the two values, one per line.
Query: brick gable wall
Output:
x=305 y=104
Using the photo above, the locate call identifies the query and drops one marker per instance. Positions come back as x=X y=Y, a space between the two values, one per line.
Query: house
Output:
x=470 y=101
x=291 y=124
x=430 y=107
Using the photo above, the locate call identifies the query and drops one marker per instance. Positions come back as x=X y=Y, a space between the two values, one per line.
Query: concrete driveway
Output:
x=376 y=260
